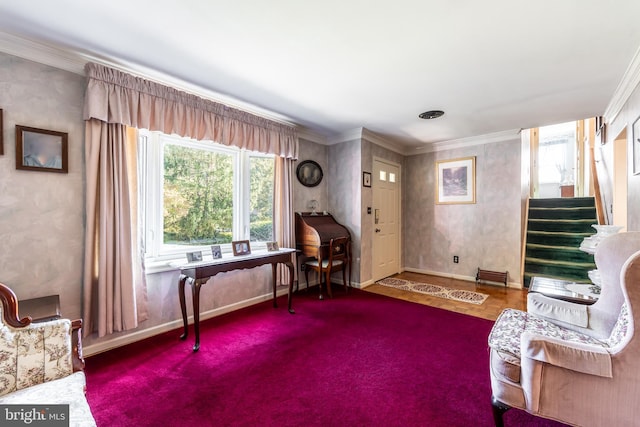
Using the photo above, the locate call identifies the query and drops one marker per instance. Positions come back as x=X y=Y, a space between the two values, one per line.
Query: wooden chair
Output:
x=339 y=256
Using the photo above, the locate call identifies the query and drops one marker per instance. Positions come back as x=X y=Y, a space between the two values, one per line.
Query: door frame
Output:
x=400 y=210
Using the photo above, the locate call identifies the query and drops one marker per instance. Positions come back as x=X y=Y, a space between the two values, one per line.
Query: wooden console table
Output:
x=198 y=273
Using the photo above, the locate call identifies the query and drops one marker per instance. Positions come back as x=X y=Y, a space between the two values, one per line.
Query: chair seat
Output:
x=505 y=338
x=325 y=263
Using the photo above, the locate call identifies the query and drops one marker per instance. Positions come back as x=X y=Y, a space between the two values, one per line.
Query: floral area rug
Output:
x=435 y=290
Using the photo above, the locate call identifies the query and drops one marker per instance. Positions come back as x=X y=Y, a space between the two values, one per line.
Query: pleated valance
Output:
x=116 y=97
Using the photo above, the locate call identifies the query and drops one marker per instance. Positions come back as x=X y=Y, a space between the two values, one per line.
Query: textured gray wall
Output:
x=627 y=116
x=485 y=234
x=301 y=194
x=41 y=213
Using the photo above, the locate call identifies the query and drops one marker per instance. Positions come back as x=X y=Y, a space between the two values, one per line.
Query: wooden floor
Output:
x=499 y=296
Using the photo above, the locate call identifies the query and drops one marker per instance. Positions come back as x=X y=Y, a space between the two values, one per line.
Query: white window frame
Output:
x=151 y=179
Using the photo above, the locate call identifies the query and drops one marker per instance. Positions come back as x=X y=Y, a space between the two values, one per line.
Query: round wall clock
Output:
x=309 y=173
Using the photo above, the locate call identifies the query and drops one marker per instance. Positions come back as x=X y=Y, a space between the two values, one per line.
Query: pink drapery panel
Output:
x=116 y=97
x=113 y=285
x=284 y=227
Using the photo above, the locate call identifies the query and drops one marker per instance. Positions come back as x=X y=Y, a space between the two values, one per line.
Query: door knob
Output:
x=378 y=230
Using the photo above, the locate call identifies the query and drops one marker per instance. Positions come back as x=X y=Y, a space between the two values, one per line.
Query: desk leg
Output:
x=291 y=280
x=195 y=288
x=274 y=270
x=183 y=306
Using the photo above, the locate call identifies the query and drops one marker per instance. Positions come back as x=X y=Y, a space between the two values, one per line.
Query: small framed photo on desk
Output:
x=241 y=247
x=273 y=247
x=194 y=256
x=216 y=251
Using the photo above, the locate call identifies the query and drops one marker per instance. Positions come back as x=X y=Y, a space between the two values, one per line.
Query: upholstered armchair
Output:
x=41 y=363
x=598 y=319
x=556 y=372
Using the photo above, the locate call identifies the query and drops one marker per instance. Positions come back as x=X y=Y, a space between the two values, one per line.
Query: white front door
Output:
x=386 y=219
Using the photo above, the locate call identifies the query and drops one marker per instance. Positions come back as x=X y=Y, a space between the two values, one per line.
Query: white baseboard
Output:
x=514 y=285
x=101 y=347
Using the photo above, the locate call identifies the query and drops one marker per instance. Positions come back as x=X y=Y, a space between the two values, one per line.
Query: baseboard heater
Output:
x=492 y=276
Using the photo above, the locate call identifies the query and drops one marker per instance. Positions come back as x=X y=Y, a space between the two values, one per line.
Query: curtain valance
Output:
x=117 y=97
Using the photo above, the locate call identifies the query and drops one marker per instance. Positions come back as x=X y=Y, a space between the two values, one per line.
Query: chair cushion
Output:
x=67 y=390
x=506 y=334
x=325 y=263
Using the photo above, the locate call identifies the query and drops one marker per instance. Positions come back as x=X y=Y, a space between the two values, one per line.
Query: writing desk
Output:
x=198 y=273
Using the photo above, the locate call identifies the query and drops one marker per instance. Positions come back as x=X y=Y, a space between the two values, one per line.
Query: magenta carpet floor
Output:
x=358 y=360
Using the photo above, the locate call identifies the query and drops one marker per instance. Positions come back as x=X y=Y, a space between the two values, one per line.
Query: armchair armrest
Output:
x=589 y=358
x=76 y=345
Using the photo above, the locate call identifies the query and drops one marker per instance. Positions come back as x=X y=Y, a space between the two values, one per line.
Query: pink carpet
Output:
x=358 y=360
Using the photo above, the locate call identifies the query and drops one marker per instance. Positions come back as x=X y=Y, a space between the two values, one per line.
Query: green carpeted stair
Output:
x=555 y=230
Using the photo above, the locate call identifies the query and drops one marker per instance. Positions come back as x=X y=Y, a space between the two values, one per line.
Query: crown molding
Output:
x=382 y=142
x=311 y=135
x=489 y=138
x=630 y=81
x=349 y=135
x=73 y=60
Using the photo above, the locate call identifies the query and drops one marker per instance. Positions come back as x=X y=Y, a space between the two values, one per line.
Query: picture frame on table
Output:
x=273 y=247
x=241 y=247
x=195 y=256
x=216 y=251
x=456 y=181
x=41 y=150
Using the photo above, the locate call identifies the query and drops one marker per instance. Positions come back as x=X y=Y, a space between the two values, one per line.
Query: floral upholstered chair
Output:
x=568 y=374
x=41 y=363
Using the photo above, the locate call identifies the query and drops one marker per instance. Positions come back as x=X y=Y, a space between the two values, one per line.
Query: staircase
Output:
x=555 y=229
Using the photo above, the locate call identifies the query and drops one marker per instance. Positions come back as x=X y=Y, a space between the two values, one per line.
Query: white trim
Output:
x=120 y=341
x=489 y=138
x=349 y=135
x=378 y=140
x=70 y=59
x=514 y=285
x=311 y=135
x=630 y=81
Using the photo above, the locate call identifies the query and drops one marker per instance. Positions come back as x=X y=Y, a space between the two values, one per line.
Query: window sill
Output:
x=162 y=264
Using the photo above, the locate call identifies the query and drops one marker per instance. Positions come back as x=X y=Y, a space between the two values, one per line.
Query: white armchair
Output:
x=567 y=374
x=41 y=363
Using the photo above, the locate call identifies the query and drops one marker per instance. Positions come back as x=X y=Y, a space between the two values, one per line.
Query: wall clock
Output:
x=309 y=173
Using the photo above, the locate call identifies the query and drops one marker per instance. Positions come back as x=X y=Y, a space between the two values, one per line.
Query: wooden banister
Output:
x=596 y=183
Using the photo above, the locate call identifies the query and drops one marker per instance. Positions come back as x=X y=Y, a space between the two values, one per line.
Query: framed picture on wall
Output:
x=636 y=146
x=41 y=150
x=456 y=181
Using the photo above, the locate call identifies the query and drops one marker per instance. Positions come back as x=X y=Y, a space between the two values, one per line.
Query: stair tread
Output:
x=569 y=221
x=569 y=208
x=569 y=279
x=559 y=247
x=557 y=262
x=562 y=233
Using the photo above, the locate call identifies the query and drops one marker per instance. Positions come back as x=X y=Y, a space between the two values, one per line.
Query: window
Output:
x=194 y=194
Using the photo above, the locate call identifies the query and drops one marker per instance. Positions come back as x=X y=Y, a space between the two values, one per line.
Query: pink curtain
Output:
x=113 y=284
x=116 y=97
x=284 y=227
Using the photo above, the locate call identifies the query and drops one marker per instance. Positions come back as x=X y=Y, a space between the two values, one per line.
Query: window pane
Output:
x=383 y=176
x=198 y=196
x=261 y=199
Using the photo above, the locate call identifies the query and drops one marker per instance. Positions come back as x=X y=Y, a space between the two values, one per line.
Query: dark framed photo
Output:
x=273 y=246
x=241 y=247
x=366 y=179
x=309 y=173
x=41 y=150
x=194 y=256
x=1 y=135
x=636 y=146
x=216 y=251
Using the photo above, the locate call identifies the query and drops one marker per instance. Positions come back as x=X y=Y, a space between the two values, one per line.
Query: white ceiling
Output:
x=337 y=65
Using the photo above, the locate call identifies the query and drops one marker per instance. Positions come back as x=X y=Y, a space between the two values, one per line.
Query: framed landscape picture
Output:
x=456 y=181
x=41 y=150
